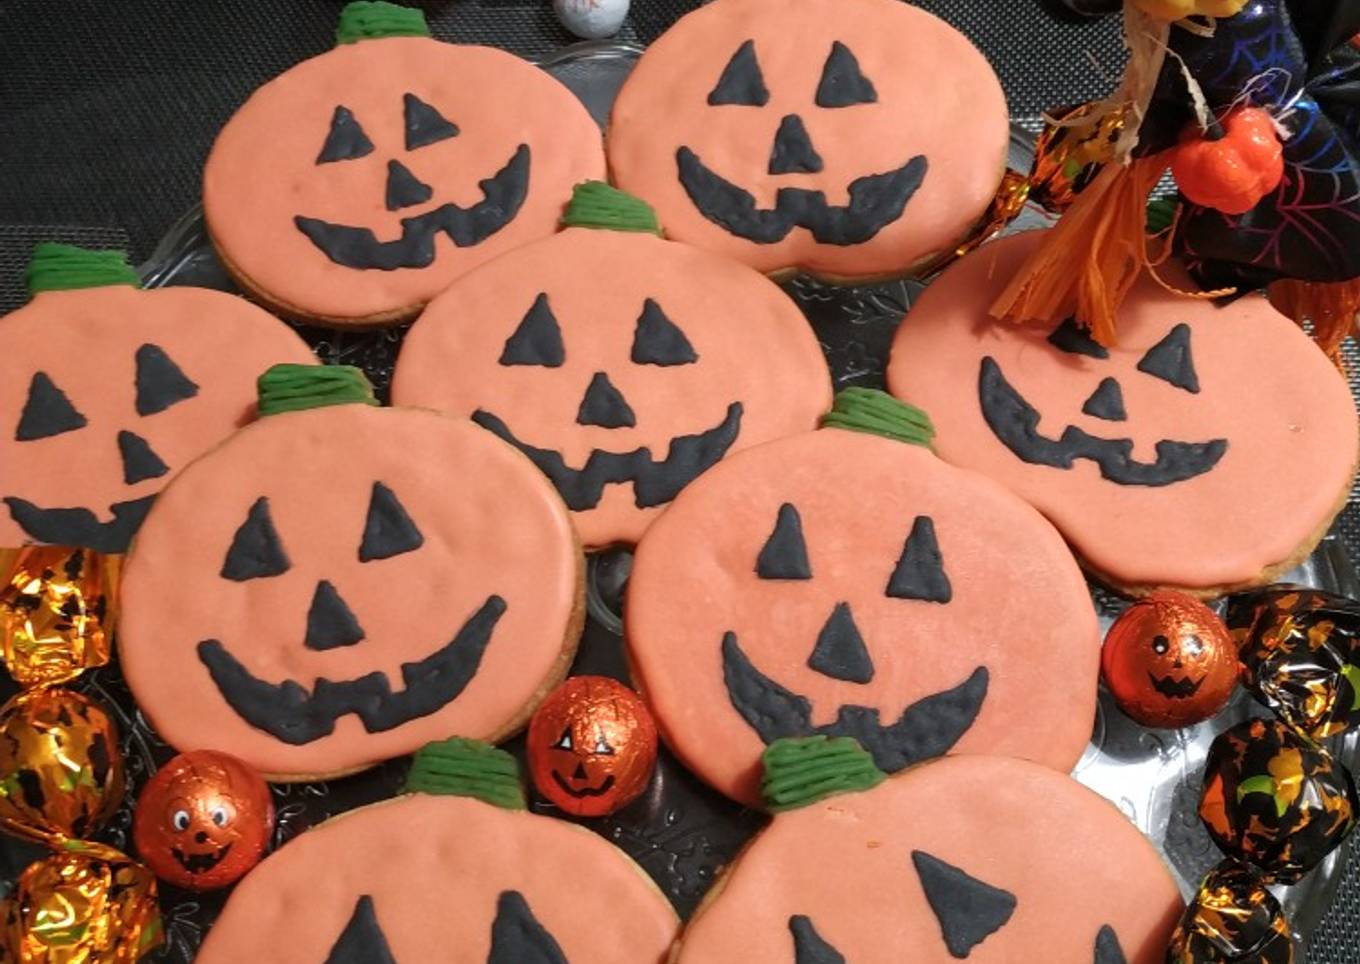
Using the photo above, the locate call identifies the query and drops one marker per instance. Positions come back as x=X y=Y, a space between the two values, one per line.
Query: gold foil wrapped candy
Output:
x=56 y=610
x=1233 y=919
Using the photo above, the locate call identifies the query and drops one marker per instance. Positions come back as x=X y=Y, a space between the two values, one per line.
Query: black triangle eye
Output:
x=517 y=936
x=256 y=551
x=346 y=139
x=843 y=84
x=537 y=340
x=920 y=571
x=741 y=83
x=160 y=382
x=362 y=939
x=47 y=412
x=424 y=124
x=785 y=553
x=659 y=341
x=1171 y=361
x=388 y=530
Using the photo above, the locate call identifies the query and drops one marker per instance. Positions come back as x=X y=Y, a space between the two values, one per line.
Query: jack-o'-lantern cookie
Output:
x=456 y=870
x=355 y=186
x=1208 y=451
x=106 y=390
x=983 y=859
x=844 y=583
x=621 y=364
x=339 y=582
x=851 y=138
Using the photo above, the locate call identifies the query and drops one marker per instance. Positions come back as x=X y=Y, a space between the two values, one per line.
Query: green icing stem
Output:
x=804 y=770
x=594 y=204
x=374 y=19
x=467 y=768
x=62 y=267
x=293 y=388
x=878 y=413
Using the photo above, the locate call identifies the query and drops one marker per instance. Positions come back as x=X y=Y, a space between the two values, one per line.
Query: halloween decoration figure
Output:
x=1208 y=451
x=1301 y=657
x=591 y=19
x=356 y=185
x=1169 y=661
x=1233 y=165
x=106 y=390
x=937 y=617
x=854 y=140
x=1234 y=917
x=592 y=746
x=57 y=605
x=203 y=820
x=456 y=862
x=971 y=857
x=333 y=584
x=618 y=362
x=1275 y=799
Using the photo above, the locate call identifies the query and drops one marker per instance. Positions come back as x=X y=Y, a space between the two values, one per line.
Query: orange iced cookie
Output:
x=621 y=364
x=843 y=583
x=456 y=870
x=107 y=390
x=983 y=859
x=850 y=138
x=339 y=583
x=1209 y=450
x=355 y=186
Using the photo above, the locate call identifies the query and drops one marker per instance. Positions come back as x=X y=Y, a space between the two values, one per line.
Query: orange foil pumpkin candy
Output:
x=592 y=746
x=1233 y=165
x=1169 y=661
x=203 y=820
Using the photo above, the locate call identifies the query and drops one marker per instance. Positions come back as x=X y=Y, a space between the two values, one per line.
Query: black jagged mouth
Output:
x=289 y=712
x=80 y=527
x=582 y=792
x=1176 y=689
x=1016 y=423
x=503 y=194
x=876 y=201
x=654 y=482
x=200 y=863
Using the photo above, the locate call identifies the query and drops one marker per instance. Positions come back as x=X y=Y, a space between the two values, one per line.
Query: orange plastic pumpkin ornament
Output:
x=592 y=746
x=1233 y=165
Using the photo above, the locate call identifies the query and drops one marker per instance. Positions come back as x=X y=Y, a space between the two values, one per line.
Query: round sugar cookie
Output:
x=843 y=583
x=1208 y=451
x=985 y=859
x=853 y=139
x=621 y=364
x=107 y=390
x=444 y=878
x=336 y=586
x=356 y=185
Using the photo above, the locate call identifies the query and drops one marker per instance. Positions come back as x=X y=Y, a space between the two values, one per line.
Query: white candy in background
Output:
x=591 y=19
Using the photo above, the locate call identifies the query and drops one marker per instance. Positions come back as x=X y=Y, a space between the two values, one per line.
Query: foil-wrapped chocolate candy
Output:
x=56 y=610
x=1233 y=919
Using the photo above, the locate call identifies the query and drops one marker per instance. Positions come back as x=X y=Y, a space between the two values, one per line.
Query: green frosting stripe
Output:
x=62 y=267
x=467 y=768
x=1160 y=213
x=293 y=388
x=594 y=204
x=878 y=413
x=800 y=771
x=375 y=19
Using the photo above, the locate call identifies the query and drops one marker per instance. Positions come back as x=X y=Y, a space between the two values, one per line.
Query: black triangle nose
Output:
x=330 y=622
x=404 y=188
x=793 y=152
x=840 y=651
x=604 y=405
x=140 y=461
x=580 y=773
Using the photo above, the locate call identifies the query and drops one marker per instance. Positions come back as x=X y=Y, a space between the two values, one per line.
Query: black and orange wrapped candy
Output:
x=56 y=607
x=1233 y=919
x=1275 y=799
x=1300 y=655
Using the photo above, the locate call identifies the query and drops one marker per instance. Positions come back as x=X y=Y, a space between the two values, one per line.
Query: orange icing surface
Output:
x=937 y=96
x=86 y=341
x=1073 y=862
x=491 y=524
x=1020 y=606
x=262 y=171
x=754 y=346
x=1264 y=386
x=434 y=867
